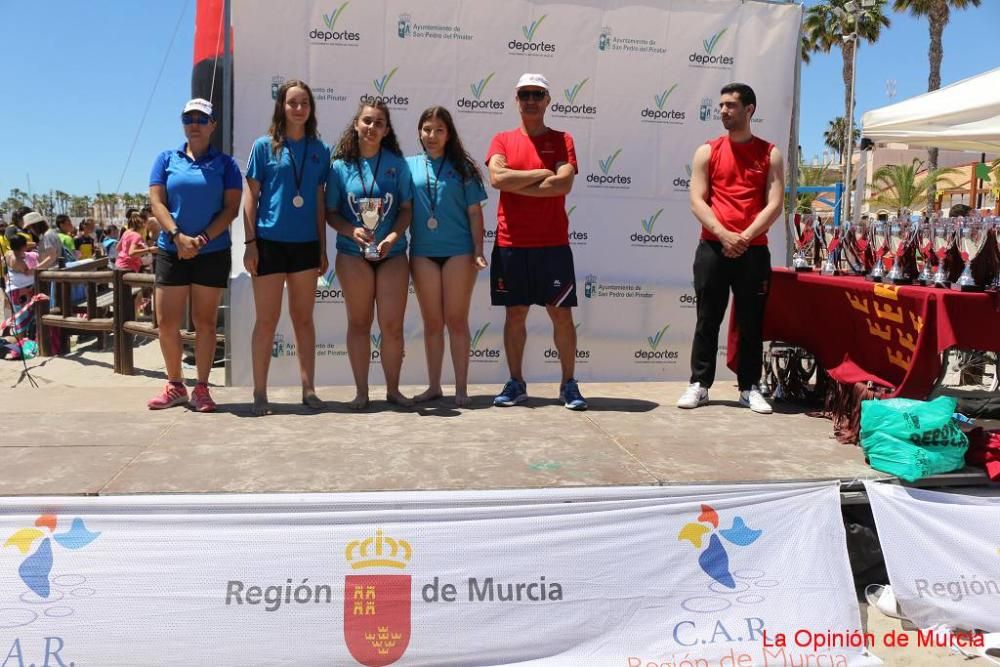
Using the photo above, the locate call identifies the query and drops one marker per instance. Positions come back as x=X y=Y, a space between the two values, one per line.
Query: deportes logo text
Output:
x=330 y=34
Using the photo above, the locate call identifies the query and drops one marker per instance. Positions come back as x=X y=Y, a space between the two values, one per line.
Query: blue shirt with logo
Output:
x=195 y=190
x=393 y=179
x=277 y=218
x=452 y=236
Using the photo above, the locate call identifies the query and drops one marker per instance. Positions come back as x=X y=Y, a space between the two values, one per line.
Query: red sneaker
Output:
x=170 y=396
x=201 y=400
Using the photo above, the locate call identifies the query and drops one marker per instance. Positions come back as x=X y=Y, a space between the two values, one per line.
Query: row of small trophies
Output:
x=916 y=250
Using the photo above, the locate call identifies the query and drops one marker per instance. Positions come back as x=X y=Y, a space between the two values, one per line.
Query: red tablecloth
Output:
x=861 y=331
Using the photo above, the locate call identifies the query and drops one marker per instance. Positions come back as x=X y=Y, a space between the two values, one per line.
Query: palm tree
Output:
x=938 y=12
x=808 y=176
x=21 y=196
x=81 y=206
x=835 y=136
x=898 y=186
x=828 y=23
x=62 y=201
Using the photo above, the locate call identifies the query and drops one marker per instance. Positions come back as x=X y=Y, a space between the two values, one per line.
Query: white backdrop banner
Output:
x=624 y=577
x=942 y=551
x=636 y=84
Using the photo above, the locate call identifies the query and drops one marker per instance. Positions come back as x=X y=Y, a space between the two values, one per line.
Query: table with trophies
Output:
x=880 y=301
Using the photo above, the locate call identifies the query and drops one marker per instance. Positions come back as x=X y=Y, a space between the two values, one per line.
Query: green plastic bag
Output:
x=912 y=439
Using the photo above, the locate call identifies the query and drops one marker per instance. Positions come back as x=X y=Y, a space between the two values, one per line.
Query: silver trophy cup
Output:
x=942 y=238
x=901 y=236
x=852 y=240
x=805 y=239
x=370 y=211
x=971 y=236
x=924 y=236
x=878 y=237
x=831 y=244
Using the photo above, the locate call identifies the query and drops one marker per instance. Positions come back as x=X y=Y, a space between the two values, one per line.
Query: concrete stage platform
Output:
x=102 y=440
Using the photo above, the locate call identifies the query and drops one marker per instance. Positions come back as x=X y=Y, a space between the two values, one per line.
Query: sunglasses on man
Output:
x=535 y=95
x=195 y=119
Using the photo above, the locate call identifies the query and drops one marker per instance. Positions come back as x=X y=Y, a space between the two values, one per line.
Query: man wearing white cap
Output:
x=533 y=167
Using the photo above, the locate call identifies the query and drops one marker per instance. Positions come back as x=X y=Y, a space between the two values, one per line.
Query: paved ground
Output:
x=104 y=441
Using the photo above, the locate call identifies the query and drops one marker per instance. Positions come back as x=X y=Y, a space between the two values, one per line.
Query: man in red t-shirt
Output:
x=533 y=167
x=737 y=190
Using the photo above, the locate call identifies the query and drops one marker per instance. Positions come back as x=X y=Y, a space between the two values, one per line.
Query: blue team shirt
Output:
x=393 y=178
x=195 y=192
x=277 y=218
x=453 y=235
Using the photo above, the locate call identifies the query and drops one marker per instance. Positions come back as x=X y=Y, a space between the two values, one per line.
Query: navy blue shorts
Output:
x=209 y=270
x=533 y=277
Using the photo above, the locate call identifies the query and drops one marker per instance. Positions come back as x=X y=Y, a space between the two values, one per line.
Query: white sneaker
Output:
x=693 y=396
x=754 y=400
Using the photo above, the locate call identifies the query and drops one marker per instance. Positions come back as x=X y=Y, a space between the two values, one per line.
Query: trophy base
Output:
x=942 y=285
x=834 y=272
x=967 y=288
x=803 y=269
x=901 y=281
x=875 y=279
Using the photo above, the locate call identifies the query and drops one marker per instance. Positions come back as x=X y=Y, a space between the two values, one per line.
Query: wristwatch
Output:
x=173 y=233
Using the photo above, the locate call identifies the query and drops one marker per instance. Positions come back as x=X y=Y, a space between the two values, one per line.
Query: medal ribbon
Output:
x=361 y=175
x=432 y=195
x=295 y=168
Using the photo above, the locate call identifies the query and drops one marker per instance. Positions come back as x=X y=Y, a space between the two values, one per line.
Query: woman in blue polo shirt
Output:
x=285 y=224
x=446 y=245
x=195 y=194
x=368 y=165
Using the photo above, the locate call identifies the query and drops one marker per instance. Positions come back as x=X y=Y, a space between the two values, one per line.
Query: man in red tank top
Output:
x=737 y=190
x=533 y=167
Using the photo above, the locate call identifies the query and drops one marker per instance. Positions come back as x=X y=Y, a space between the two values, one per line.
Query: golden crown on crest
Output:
x=378 y=551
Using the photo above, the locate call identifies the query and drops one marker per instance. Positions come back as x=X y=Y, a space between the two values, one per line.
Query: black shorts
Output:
x=286 y=257
x=440 y=260
x=208 y=270
x=533 y=276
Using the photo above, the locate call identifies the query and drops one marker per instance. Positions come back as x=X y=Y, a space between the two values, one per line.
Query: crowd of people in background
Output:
x=31 y=242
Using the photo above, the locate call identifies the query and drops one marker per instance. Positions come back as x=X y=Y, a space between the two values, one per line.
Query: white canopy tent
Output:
x=964 y=116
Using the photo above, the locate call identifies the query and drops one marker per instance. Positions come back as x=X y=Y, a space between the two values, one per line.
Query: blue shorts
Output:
x=533 y=277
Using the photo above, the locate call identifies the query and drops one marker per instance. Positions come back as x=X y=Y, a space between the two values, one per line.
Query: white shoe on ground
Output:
x=754 y=400
x=693 y=396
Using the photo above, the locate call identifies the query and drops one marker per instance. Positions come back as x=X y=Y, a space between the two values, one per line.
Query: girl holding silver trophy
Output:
x=369 y=197
x=284 y=219
x=446 y=245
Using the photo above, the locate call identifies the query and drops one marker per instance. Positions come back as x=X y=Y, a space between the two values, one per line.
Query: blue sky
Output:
x=80 y=74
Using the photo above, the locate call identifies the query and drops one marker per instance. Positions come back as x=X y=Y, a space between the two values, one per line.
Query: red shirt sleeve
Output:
x=571 y=152
x=497 y=147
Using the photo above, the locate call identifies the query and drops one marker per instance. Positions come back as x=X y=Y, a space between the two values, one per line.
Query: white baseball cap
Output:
x=32 y=218
x=528 y=79
x=199 y=104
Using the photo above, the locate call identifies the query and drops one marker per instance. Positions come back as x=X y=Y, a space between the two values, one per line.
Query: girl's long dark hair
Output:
x=349 y=148
x=454 y=151
x=277 y=129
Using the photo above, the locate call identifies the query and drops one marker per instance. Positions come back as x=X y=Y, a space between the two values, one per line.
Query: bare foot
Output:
x=397 y=398
x=430 y=394
x=360 y=402
x=462 y=400
x=260 y=407
x=311 y=400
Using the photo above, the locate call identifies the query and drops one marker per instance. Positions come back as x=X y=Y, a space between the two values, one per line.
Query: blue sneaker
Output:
x=513 y=392
x=571 y=397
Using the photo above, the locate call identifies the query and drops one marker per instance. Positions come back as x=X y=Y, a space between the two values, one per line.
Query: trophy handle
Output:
x=387 y=206
x=353 y=205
